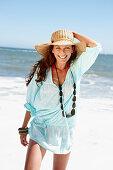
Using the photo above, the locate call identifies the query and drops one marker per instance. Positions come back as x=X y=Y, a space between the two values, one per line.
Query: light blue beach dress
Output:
x=48 y=127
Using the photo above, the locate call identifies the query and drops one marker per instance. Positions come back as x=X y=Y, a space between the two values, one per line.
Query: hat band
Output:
x=63 y=39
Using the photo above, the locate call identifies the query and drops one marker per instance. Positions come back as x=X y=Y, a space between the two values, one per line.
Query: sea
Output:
x=94 y=126
x=96 y=82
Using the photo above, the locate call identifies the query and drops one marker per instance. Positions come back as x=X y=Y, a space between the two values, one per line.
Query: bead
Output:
x=60 y=99
x=63 y=113
x=74 y=85
x=74 y=98
x=62 y=106
x=73 y=105
x=68 y=116
x=74 y=92
x=60 y=86
x=73 y=111
x=60 y=93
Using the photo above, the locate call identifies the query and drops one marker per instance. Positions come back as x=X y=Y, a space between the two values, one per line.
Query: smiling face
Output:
x=62 y=53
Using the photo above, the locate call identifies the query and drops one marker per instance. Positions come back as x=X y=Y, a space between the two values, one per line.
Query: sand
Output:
x=93 y=147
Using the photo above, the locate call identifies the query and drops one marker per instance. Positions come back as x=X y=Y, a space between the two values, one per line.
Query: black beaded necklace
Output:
x=73 y=99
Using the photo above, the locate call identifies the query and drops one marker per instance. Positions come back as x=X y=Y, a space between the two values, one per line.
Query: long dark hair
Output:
x=44 y=63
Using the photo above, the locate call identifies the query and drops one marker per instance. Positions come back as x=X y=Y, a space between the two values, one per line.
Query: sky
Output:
x=24 y=23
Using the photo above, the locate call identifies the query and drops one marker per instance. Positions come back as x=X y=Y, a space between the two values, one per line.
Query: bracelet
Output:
x=23 y=131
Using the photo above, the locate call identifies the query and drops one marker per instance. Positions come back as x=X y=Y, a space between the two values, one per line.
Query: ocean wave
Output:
x=98 y=73
x=16 y=60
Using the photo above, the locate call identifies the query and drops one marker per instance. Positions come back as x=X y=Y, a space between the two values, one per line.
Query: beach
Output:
x=93 y=147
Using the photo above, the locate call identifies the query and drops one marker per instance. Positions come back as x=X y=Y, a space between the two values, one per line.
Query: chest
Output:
x=59 y=76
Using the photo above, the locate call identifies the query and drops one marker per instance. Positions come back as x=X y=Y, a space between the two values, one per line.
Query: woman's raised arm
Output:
x=89 y=42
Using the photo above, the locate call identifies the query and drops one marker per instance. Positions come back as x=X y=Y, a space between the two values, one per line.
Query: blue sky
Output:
x=25 y=23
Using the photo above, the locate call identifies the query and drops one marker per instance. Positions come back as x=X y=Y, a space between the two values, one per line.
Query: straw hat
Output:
x=61 y=37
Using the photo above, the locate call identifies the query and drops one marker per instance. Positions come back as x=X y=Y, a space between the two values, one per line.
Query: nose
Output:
x=62 y=52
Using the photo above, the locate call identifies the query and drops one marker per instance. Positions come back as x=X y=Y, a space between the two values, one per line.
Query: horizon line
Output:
x=34 y=49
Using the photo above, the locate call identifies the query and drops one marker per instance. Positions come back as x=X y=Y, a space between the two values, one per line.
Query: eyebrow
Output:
x=64 y=47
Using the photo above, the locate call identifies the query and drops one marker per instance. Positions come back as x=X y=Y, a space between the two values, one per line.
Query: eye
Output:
x=57 y=48
x=67 y=47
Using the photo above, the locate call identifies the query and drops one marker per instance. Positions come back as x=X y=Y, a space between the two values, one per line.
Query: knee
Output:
x=58 y=169
x=27 y=167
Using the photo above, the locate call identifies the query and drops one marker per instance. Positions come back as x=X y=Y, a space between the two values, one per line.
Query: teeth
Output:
x=62 y=57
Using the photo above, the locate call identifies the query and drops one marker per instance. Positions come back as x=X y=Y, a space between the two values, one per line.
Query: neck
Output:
x=61 y=66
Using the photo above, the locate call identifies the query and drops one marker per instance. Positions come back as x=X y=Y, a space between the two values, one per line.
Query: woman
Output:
x=52 y=97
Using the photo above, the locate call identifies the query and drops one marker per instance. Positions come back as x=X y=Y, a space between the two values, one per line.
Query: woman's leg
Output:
x=35 y=154
x=60 y=161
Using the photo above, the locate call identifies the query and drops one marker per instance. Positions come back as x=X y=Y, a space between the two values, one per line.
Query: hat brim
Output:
x=43 y=49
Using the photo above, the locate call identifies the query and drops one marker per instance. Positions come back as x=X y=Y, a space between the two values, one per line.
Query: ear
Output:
x=52 y=51
x=72 y=49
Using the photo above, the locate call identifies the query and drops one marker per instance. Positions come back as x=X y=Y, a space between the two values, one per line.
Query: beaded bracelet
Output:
x=23 y=131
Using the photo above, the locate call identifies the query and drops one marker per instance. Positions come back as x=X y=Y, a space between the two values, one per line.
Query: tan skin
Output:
x=35 y=152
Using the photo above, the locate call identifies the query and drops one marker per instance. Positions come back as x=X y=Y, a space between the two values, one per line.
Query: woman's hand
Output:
x=89 y=42
x=23 y=139
x=74 y=34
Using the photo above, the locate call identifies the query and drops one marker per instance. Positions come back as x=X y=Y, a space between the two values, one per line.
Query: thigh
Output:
x=60 y=161
x=35 y=154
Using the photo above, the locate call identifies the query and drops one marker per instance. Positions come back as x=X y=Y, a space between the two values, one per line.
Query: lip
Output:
x=63 y=57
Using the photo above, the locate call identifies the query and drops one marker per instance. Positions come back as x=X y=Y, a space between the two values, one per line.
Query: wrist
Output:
x=24 y=126
x=23 y=131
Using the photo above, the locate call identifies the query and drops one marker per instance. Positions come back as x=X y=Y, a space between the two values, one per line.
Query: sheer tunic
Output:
x=48 y=127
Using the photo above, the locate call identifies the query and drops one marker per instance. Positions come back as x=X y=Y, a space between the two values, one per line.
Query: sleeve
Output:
x=32 y=89
x=88 y=57
x=86 y=60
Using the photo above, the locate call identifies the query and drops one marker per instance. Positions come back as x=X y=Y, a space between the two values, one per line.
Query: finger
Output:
x=23 y=143
x=23 y=140
x=74 y=34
